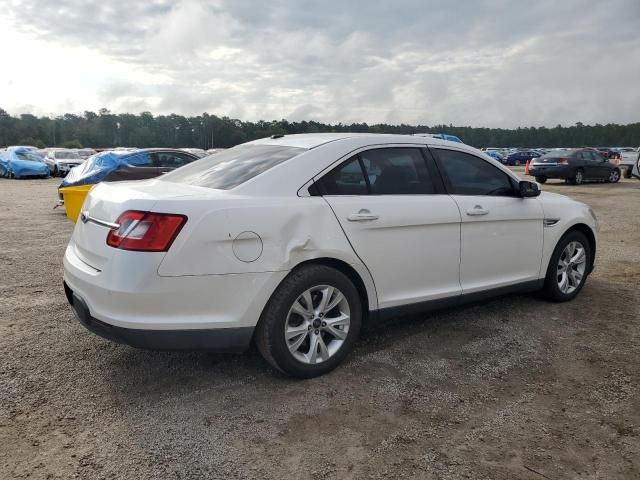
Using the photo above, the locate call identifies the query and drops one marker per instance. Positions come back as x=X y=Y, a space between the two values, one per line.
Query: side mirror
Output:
x=528 y=189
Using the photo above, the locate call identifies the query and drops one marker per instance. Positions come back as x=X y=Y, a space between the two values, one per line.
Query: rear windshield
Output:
x=70 y=155
x=28 y=156
x=558 y=153
x=230 y=168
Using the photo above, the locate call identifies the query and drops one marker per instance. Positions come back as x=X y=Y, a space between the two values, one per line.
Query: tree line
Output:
x=107 y=129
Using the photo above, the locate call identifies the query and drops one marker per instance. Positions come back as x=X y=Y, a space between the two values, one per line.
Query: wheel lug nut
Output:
x=324 y=324
x=317 y=332
x=321 y=315
x=309 y=328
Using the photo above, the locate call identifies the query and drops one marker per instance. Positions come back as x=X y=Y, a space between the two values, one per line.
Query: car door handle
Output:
x=477 y=211
x=362 y=216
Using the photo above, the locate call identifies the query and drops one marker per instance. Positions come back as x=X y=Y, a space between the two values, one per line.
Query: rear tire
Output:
x=560 y=269
x=627 y=172
x=275 y=333
x=578 y=178
x=541 y=179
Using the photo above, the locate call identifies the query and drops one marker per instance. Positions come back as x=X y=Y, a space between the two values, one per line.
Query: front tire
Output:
x=541 y=179
x=568 y=268
x=311 y=322
x=614 y=176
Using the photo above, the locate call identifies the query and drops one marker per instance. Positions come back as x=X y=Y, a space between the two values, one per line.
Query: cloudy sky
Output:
x=496 y=63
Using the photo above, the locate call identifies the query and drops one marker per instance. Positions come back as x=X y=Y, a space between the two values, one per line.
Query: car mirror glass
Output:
x=528 y=189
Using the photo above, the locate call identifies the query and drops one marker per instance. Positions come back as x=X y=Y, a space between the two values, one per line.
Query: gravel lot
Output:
x=515 y=388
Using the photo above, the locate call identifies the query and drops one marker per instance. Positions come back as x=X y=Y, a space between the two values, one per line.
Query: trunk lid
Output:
x=106 y=202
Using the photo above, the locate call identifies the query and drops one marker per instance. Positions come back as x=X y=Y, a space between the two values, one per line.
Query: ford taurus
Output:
x=292 y=242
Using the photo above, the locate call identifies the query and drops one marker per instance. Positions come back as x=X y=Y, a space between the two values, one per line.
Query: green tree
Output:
x=75 y=143
x=107 y=129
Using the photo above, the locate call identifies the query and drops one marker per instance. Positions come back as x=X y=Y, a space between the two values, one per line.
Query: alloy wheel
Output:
x=614 y=176
x=317 y=324
x=578 y=178
x=571 y=268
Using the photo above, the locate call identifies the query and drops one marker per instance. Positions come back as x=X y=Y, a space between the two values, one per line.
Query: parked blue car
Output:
x=495 y=155
x=443 y=136
x=22 y=163
x=521 y=157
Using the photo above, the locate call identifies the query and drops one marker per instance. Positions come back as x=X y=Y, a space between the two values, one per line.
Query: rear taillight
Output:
x=563 y=161
x=146 y=231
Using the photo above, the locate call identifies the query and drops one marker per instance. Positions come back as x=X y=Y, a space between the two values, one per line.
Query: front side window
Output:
x=471 y=175
x=381 y=171
x=172 y=160
x=396 y=171
x=230 y=168
x=595 y=156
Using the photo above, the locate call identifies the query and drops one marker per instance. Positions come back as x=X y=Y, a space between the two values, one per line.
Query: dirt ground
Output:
x=514 y=388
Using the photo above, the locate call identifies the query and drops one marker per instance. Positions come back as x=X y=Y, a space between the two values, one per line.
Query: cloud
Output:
x=492 y=63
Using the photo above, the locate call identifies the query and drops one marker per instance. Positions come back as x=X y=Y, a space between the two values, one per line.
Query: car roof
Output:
x=321 y=151
x=313 y=140
x=145 y=150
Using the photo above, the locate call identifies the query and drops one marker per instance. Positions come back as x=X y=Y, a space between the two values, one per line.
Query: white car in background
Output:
x=627 y=161
x=85 y=153
x=293 y=242
x=61 y=160
x=215 y=150
x=198 y=152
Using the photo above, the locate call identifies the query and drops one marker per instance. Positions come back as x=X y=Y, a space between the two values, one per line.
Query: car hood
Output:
x=24 y=168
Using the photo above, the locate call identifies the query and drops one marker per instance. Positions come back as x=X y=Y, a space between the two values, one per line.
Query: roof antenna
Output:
x=277 y=135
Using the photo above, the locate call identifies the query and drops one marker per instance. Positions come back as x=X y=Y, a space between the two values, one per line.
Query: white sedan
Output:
x=292 y=242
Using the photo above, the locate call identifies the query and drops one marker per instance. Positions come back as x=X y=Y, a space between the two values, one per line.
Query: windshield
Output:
x=28 y=156
x=232 y=167
x=67 y=154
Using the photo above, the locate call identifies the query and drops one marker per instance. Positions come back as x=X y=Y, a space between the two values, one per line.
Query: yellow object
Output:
x=73 y=199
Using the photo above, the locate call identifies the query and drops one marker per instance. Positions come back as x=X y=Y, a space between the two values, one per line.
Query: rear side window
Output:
x=471 y=175
x=346 y=179
x=232 y=167
x=381 y=171
x=140 y=160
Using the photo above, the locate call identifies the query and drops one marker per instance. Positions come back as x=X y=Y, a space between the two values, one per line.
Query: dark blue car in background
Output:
x=521 y=157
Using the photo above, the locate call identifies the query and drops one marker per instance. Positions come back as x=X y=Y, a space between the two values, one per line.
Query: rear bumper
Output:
x=537 y=170
x=222 y=339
